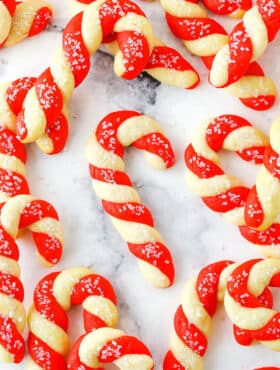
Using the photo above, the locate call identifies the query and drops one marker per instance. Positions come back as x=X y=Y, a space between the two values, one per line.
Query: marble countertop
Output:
x=195 y=235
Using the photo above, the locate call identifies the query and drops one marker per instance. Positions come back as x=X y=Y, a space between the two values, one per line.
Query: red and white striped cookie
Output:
x=48 y=341
x=255 y=317
x=18 y=213
x=120 y=200
x=225 y=193
x=247 y=42
x=81 y=38
x=193 y=318
x=101 y=21
x=12 y=95
x=201 y=295
x=165 y=64
x=204 y=37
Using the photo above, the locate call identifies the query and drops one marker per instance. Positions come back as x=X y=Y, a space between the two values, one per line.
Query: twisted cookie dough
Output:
x=201 y=295
x=120 y=200
x=48 y=341
x=18 y=213
x=204 y=37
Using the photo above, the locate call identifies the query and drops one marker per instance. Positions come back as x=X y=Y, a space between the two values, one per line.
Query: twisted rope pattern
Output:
x=81 y=38
x=12 y=95
x=48 y=341
x=247 y=42
x=225 y=193
x=120 y=200
x=165 y=64
x=201 y=295
x=18 y=213
x=204 y=37
x=256 y=319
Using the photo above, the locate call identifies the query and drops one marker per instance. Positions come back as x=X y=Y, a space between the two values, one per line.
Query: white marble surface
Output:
x=195 y=235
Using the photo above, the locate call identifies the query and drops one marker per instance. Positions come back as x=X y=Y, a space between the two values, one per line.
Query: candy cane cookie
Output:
x=256 y=319
x=18 y=213
x=107 y=345
x=12 y=95
x=165 y=64
x=193 y=318
x=48 y=341
x=204 y=37
x=247 y=42
x=225 y=193
x=263 y=202
x=70 y=65
x=120 y=200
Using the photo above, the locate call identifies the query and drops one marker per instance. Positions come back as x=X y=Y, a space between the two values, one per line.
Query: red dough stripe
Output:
x=106 y=131
x=8 y=247
x=10 y=5
x=49 y=95
x=109 y=176
x=191 y=29
x=189 y=333
x=11 y=339
x=131 y=212
x=271 y=16
x=268 y=237
x=253 y=212
x=166 y=57
x=92 y=285
x=157 y=255
x=35 y=211
x=41 y=20
x=10 y=145
x=52 y=311
x=239 y=39
x=170 y=362
x=227 y=7
x=43 y=355
x=12 y=183
x=11 y=286
x=17 y=91
x=229 y=200
x=156 y=143
x=200 y=166
x=220 y=127
x=207 y=285
x=272 y=162
x=122 y=346
x=92 y=322
x=49 y=247
x=75 y=49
